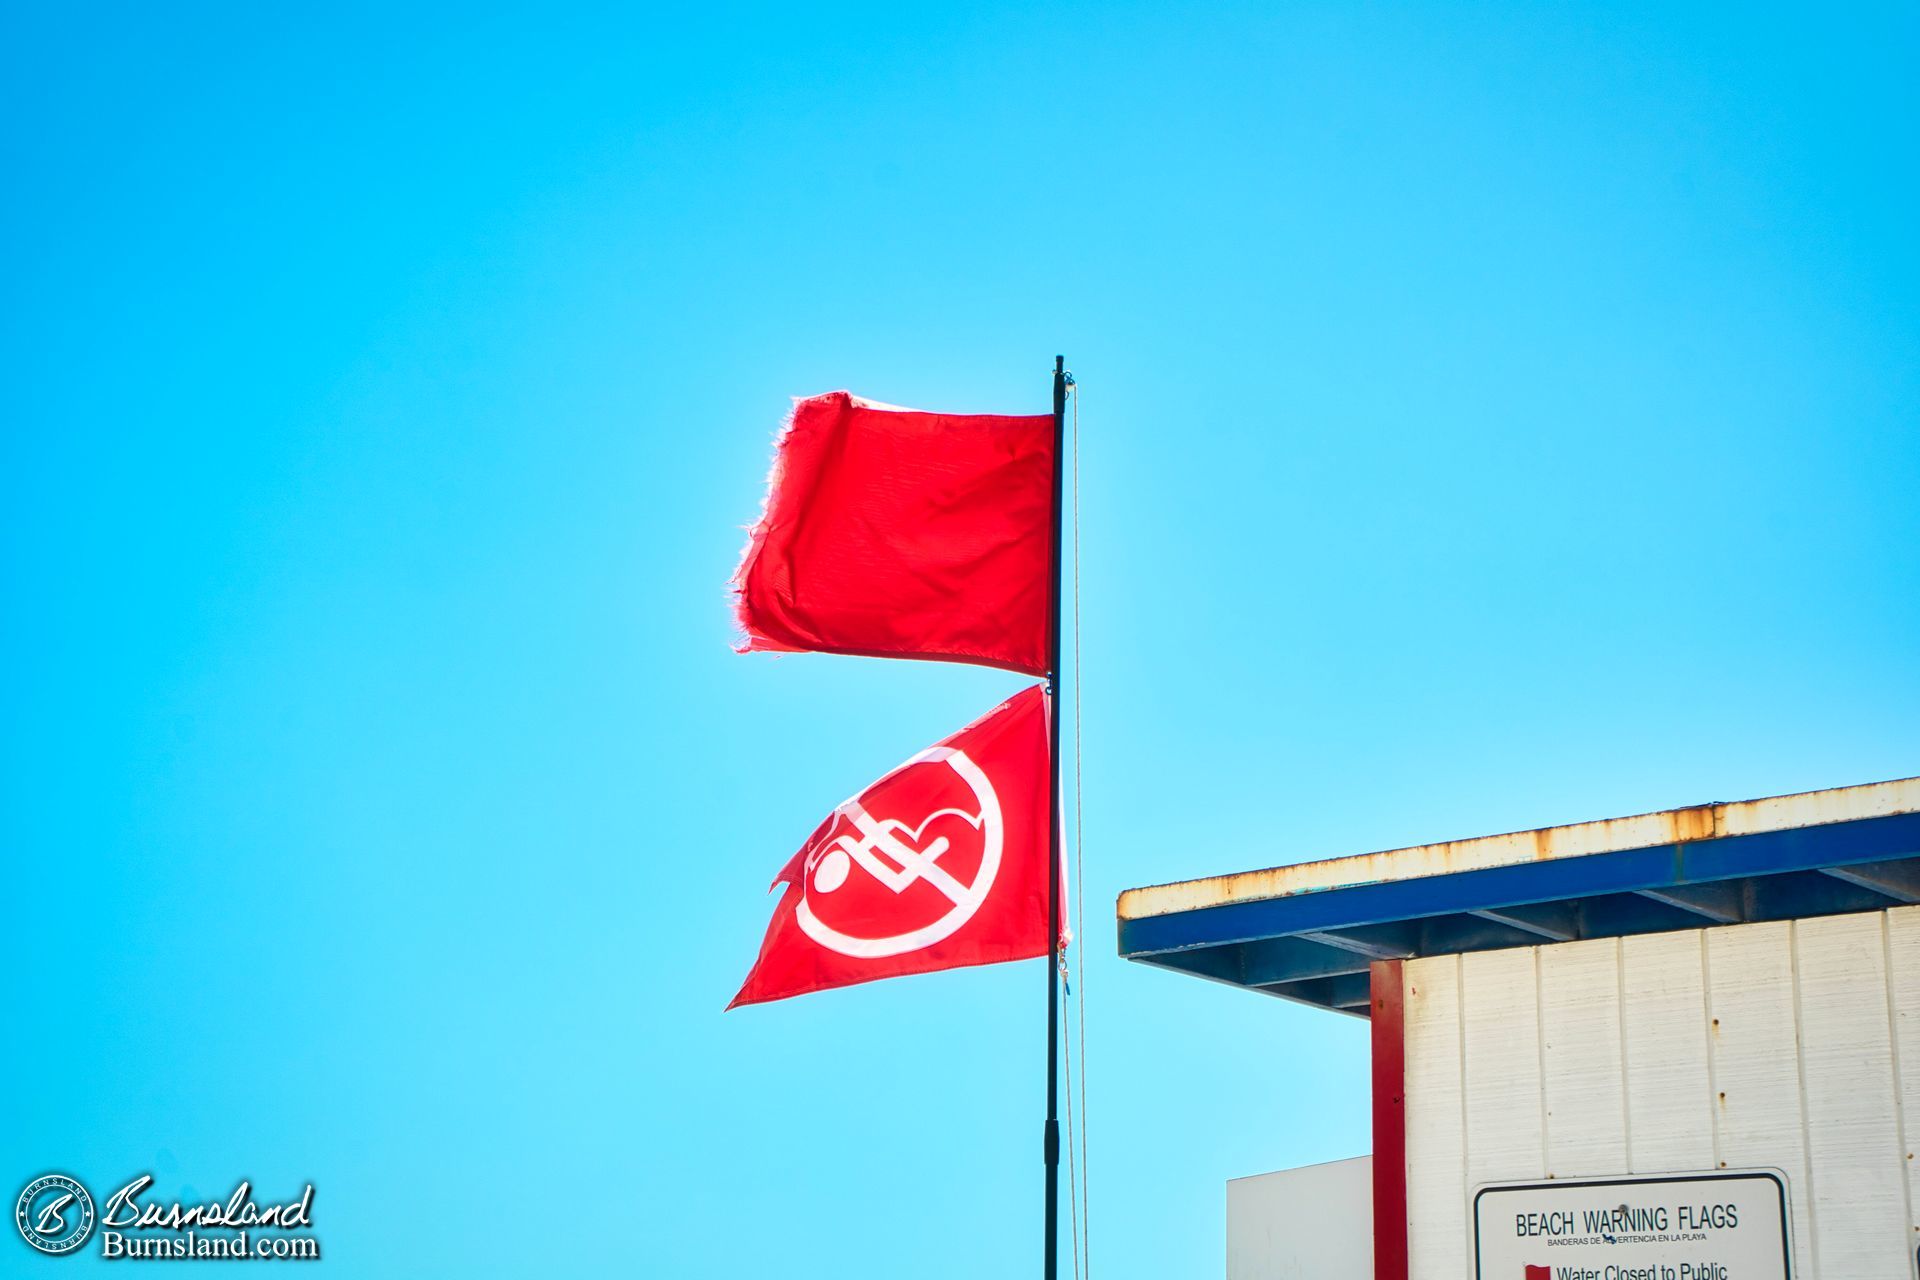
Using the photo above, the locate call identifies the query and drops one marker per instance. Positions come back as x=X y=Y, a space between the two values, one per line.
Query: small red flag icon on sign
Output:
x=940 y=864
x=892 y=533
x=1538 y=1273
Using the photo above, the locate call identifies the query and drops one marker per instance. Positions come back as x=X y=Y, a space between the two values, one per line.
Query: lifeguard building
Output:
x=1676 y=1046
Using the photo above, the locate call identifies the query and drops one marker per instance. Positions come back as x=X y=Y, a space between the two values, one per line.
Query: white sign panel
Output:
x=1730 y=1225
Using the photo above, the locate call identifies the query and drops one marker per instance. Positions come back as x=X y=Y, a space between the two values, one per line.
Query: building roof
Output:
x=1308 y=932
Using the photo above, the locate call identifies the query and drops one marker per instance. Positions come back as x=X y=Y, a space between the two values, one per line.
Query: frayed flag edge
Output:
x=747 y=639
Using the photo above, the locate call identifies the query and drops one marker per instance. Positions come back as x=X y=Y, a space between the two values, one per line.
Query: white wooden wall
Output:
x=1793 y=1045
x=1314 y=1223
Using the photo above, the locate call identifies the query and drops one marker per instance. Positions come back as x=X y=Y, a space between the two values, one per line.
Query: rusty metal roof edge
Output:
x=1606 y=835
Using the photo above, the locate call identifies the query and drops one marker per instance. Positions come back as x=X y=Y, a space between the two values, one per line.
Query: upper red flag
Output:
x=891 y=533
x=940 y=864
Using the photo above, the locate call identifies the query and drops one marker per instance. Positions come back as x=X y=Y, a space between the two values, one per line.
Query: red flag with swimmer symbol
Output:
x=892 y=533
x=940 y=864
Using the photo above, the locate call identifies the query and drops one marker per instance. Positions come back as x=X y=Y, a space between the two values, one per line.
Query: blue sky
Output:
x=1494 y=416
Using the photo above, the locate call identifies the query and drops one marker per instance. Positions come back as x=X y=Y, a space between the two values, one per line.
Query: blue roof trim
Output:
x=1308 y=946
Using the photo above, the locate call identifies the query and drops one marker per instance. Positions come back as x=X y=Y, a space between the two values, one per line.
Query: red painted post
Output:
x=1389 y=1121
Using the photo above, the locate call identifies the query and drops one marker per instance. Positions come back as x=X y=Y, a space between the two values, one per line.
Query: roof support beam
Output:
x=1375 y=942
x=1349 y=993
x=1276 y=960
x=1443 y=935
x=1618 y=915
x=1720 y=903
x=1897 y=880
x=1554 y=921
x=1811 y=893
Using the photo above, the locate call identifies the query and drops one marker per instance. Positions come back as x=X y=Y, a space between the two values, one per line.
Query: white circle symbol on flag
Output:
x=898 y=856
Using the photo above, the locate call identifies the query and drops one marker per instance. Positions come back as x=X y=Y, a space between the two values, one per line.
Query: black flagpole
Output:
x=1051 y=1144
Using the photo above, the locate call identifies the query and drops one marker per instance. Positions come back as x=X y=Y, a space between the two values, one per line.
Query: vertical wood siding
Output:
x=1752 y=1046
x=1436 y=1137
x=1791 y=1045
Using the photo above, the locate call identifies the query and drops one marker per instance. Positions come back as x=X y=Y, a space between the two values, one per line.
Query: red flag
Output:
x=890 y=533
x=940 y=864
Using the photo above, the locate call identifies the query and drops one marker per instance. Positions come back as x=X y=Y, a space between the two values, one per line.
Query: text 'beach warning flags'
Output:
x=940 y=864
x=892 y=533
